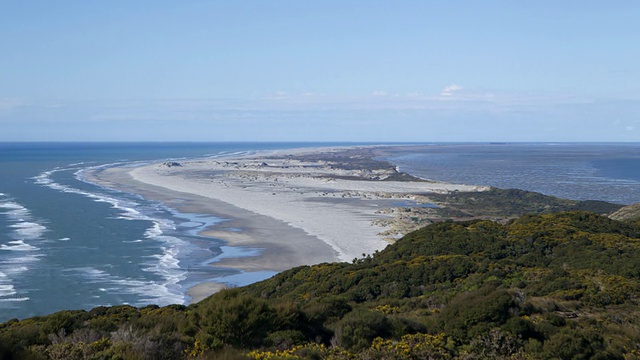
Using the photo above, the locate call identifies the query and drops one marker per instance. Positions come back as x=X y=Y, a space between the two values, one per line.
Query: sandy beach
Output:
x=297 y=207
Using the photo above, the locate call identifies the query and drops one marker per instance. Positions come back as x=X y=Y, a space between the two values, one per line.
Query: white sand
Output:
x=337 y=206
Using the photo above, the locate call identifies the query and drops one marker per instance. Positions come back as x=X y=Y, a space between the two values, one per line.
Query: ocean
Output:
x=69 y=244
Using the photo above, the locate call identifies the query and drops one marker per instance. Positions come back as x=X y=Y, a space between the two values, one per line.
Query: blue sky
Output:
x=373 y=71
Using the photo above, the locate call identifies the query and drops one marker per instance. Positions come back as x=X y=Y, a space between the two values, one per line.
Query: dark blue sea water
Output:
x=69 y=244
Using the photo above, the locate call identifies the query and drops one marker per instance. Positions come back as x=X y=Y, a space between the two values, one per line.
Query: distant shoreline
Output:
x=301 y=207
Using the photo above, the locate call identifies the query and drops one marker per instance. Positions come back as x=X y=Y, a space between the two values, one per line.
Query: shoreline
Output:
x=295 y=206
x=240 y=228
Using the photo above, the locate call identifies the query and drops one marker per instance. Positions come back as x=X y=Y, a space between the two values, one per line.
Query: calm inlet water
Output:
x=608 y=172
x=69 y=244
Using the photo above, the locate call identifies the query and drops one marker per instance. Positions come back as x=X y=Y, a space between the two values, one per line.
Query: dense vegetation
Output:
x=500 y=205
x=508 y=203
x=545 y=286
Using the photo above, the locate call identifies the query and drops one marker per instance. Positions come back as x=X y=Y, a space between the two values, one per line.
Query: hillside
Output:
x=543 y=286
x=500 y=205
x=630 y=213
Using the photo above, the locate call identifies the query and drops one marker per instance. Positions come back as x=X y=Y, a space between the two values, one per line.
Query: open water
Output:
x=69 y=244
x=593 y=171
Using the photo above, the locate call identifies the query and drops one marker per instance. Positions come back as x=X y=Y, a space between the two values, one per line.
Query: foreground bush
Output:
x=561 y=286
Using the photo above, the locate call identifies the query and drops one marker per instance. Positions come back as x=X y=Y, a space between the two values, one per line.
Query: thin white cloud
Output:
x=10 y=103
x=497 y=111
x=450 y=90
x=379 y=93
x=467 y=101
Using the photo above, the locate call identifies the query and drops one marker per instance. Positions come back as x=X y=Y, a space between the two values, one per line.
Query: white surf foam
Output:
x=17 y=254
x=28 y=230
x=166 y=265
x=17 y=245
x=18 y=213
x=14 y=211
x=6 y=286
x=149 y=292
x=10 y=205
x=154 y=230
x=11 y=267
x=8 y=291
x=127 y=208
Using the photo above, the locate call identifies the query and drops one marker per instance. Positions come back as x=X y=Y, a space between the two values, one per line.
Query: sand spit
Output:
x=299 y=209
x=335 y=205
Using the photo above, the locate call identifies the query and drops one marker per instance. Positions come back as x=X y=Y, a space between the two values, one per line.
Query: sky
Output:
x=291 y=70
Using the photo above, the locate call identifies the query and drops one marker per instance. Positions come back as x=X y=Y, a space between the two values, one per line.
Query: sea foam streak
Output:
x=15 y=254
x=24 y=226
x=6 y=286
x=7 y=290
x=29 y=230
x=14 y=211
x=164 y=265
x=17 y=245
x=149 y=291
